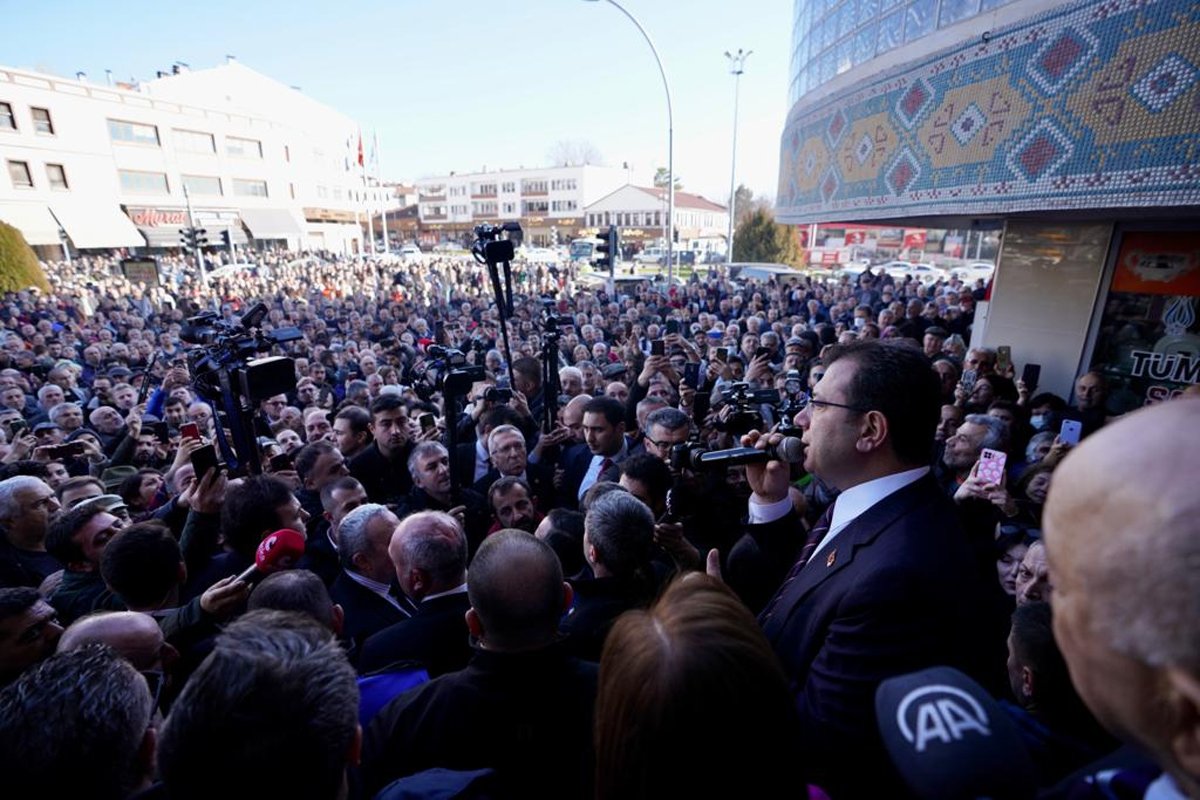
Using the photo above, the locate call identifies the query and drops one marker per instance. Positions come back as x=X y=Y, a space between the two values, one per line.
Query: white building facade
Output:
x=548 y=202
x=641 y=213
x=104 y=167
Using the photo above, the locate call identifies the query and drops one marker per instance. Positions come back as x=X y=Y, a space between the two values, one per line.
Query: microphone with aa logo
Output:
x=950 y=740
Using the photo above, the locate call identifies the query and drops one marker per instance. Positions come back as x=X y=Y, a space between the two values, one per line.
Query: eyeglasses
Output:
x=805 y=400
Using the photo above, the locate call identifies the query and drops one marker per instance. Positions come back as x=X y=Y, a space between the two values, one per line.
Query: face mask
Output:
x=860 y=322
x=1038 y=421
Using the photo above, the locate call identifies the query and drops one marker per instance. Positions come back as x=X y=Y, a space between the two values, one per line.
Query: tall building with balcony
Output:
x=97 y=166
x=1070 y=129
x=549 y=202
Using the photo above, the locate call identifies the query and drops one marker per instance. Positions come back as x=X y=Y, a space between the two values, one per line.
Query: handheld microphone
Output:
x=279 y=551
x=950 y=740
x=790 y=449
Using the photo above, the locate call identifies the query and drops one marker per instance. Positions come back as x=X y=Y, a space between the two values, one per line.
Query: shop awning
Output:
x=171 y=235
x=96 y=225
x=272 y=223
x=33 y=220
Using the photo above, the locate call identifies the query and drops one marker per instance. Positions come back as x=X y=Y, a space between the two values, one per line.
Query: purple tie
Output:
x=815 y=535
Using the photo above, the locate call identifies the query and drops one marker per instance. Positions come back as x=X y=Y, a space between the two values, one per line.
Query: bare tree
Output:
x=574 y=153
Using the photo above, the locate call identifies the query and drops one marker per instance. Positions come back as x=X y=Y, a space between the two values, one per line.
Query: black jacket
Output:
x=385 y=480
x=436 y=636
x=366 y=613
x=526 y=715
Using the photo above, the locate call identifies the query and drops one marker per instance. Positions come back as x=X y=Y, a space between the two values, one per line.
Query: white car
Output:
x=922 y=272
x=651 y=255
x=974 y=270
x=410 y=251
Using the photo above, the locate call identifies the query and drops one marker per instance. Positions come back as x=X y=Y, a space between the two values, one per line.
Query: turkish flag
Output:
x=360 y=150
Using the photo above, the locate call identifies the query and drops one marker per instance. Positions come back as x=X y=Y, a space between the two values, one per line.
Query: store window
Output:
x=1148 y=341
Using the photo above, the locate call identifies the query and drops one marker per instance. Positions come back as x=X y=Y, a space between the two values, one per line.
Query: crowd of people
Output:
x=678 y=540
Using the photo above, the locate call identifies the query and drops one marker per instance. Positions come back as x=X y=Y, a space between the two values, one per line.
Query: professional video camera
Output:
x=747 y=415
x=794 y=402
x=225 y=372
x=456 y=374
x=686 y=455
x=489 y=248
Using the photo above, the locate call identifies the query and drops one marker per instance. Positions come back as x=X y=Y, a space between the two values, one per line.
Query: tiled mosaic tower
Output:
x=1092 y=105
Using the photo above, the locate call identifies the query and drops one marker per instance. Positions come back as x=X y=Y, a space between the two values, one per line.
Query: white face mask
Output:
x=860 y=322
x=1038 y=421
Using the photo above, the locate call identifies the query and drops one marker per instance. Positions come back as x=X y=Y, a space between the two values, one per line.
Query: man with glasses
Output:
x=884 y=583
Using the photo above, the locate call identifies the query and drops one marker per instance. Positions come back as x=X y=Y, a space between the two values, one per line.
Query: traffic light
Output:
x=187 y=238
x=201 y=237
x=607 y=252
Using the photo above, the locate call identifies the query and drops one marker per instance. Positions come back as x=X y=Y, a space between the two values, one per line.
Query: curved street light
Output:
x=670 y=141
x=737 y=65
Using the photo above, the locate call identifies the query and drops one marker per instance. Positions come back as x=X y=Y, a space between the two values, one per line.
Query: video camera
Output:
x=457 y=374
x=489 y=248
x=686 y=455
x=746 y=416
x=225 y=372
x=222 y=345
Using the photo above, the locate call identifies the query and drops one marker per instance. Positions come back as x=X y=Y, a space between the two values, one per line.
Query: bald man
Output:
x=134 y=636
x=429 y=552
x=522 y=706
x=1122 y=532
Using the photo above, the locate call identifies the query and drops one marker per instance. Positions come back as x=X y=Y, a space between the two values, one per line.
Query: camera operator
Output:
x=668 y=432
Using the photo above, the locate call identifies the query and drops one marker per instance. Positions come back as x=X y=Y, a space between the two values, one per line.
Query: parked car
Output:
x=744 y=271
x=651 y=255
x=410 y=251
x=921 y=271
x=974 y=270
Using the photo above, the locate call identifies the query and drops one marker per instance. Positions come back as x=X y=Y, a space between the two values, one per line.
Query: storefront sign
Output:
x=1158 y=263
x=158 y=217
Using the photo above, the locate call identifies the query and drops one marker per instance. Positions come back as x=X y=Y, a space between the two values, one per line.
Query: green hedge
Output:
x=19 y=267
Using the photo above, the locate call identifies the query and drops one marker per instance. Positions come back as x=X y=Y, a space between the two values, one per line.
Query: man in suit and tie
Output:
x=429 y=553
x=509 y=458
x=472 y=461
x=605 y=447
x=363 y=588
x=885 y=582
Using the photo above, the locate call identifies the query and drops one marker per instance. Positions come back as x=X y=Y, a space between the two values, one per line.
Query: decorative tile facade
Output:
x=1093 y=105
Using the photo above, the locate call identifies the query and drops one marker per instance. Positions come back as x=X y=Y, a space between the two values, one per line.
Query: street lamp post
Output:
x=737 y=65
x=670 y=141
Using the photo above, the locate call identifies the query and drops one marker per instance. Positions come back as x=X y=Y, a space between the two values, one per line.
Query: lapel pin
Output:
x=832 y=558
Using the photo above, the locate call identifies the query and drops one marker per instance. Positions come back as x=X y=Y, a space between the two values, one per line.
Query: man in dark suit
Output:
x=363 y=587
x=606 y=446
x=509 y=457
x=471 y=459
x=522 y=707
x=885 y=582
x=429 y=553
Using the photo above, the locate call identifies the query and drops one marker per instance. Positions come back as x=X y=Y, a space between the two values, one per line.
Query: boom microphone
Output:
x=279 y=551
x=790 y=449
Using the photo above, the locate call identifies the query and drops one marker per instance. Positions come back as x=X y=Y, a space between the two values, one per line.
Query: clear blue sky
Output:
x=462 y=85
